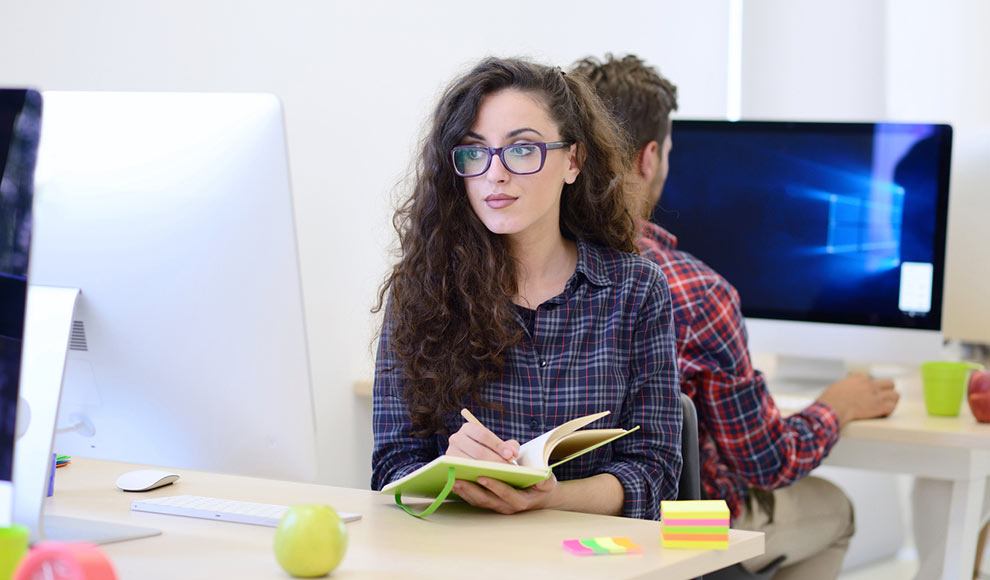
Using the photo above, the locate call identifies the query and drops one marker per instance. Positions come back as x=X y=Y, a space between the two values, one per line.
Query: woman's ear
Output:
x=575 y=160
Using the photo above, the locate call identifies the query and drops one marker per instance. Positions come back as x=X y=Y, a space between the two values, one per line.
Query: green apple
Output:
x=310 y=540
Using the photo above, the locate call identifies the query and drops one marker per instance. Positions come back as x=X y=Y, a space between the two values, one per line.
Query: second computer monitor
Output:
x=833 y=233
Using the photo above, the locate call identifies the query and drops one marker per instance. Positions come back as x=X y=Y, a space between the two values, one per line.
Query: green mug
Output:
x=13 y=548
x=944 y=385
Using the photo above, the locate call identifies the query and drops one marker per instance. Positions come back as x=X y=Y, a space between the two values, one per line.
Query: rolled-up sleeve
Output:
x=648 y=463
x=396 y=452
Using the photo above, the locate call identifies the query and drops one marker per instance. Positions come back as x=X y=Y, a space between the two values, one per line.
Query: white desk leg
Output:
x=964 y=527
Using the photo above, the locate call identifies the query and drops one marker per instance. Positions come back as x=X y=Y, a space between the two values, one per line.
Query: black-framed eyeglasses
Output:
x=518 y=158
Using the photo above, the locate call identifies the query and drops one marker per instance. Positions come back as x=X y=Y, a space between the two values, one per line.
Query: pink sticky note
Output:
x=575 y=547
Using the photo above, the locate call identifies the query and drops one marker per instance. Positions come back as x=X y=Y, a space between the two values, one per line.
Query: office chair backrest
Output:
x=690 y=483
x=690 y=488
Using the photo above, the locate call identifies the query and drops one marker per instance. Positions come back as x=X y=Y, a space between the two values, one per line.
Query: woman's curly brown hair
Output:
x=450 y=311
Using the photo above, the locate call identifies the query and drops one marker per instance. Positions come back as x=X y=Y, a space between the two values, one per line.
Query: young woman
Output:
x=518 y=297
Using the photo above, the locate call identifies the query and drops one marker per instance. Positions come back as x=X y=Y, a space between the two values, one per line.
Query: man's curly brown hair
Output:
x=639 y=97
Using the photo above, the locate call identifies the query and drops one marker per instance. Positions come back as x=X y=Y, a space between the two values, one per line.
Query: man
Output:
x=750 y=456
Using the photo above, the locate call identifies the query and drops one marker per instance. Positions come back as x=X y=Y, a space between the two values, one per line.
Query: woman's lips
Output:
x=499 y=200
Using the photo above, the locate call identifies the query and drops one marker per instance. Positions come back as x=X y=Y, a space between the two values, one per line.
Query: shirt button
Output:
x=534 y=424
x=543 y=362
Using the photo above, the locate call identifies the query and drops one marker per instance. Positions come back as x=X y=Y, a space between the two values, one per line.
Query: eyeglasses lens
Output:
x=520 y=159
x=471 y=160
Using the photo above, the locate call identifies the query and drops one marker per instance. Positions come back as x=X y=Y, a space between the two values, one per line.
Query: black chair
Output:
x=689 y=487
x=690 y=483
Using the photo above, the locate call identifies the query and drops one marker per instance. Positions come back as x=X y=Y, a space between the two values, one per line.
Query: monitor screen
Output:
x=823 y=222
x=19 y=110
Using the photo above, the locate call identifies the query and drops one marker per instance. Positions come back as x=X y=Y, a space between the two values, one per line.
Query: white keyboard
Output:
x=792 y=402
x=225 y=510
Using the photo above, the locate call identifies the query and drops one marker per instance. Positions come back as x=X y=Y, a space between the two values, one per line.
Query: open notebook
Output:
x=536 y=461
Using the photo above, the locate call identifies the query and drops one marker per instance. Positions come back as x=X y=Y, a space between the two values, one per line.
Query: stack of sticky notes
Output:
x=695 y=524
x=602 y=546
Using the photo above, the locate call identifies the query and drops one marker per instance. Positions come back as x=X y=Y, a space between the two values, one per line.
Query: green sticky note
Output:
x=610 y=545
x=590 y=543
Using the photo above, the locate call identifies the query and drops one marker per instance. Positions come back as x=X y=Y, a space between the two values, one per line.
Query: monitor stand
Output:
x=800 y=375
x=47 y=329
x=67 y=529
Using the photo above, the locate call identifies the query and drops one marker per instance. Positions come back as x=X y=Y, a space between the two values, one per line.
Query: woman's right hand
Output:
x=476 y=442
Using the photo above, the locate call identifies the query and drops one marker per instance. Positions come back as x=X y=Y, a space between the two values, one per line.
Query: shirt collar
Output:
x=590 y=263
x=656 y=233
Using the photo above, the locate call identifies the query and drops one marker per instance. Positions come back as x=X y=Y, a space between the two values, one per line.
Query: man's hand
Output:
x=860 y=397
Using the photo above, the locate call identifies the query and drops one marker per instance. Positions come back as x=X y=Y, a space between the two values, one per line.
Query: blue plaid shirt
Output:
x=606 y=342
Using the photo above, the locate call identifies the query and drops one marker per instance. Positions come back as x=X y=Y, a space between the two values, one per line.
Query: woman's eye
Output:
x=521 y=151
x=475 y=154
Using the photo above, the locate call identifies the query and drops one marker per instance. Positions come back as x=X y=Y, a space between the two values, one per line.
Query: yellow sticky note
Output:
x=695 y=509
x=685 y=545
x=610 y=545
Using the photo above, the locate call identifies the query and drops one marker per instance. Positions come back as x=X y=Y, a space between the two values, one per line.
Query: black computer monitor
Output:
x=833 y=233
x=19 y=116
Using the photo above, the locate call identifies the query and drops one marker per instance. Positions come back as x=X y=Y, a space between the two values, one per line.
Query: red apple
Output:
x=978 y=394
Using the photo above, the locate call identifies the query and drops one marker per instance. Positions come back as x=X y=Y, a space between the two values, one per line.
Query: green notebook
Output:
x=536 y=460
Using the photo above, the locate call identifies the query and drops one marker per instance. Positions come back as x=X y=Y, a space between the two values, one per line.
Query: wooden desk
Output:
x=956 y=449
x=456 y=541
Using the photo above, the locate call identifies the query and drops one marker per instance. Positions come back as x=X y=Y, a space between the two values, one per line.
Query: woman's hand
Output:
x=503 y=498
x=474 y=441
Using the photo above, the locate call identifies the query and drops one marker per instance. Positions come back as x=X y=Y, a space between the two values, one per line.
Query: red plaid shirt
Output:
x=744 y=441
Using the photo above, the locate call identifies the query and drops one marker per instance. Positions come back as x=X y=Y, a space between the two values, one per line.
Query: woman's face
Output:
x=521 y=206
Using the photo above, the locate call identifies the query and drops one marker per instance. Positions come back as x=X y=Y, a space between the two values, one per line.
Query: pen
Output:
x=470 y=418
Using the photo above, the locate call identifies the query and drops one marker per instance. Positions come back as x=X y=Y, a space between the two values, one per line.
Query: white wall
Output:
x=358 y=79
x=813 y=60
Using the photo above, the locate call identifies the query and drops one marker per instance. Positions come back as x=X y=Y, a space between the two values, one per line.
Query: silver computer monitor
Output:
x=172 y=215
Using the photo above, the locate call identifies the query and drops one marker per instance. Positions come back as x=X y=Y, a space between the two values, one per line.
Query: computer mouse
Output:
x=146 y=479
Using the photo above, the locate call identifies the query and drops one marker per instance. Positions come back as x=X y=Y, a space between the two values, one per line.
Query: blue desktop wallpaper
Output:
x=812 y=221
x=19 y=131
